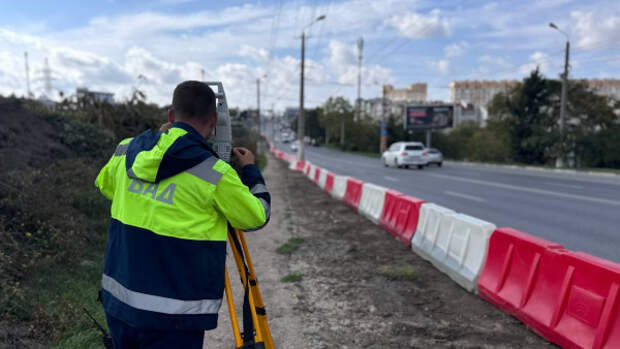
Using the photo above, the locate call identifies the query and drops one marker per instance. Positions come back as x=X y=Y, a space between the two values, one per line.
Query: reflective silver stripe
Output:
x=131 y=174
x=121 y=149
x=159 y=304
x=259 y=189
x=267 y=208
x=205 y=171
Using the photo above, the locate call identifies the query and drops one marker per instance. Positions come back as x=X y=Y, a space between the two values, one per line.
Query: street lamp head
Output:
x=552 y=25
x=320 y=18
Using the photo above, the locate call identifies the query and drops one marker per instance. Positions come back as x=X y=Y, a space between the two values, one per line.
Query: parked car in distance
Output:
x=295 y=145
x=433 y=156
x=404 y=154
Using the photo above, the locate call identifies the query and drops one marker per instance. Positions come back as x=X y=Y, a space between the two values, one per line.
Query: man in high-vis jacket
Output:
x=172 y=200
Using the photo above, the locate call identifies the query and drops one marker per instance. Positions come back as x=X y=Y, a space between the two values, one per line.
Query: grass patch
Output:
x=397 y=272
x=292 y=277
x=290 y=246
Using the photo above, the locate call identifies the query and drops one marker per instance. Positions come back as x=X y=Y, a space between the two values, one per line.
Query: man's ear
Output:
x=171 y=115
x=213 y=121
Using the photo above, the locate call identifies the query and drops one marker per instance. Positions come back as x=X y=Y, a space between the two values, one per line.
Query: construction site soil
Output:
x=359 y=287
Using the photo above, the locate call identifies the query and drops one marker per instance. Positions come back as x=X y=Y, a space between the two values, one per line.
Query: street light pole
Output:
x=301 y=118
x=564 y=97
x=258 y=103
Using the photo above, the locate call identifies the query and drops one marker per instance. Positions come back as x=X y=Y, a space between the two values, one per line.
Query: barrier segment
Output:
x=293 y=165
x=402 y=221
x=457 y=246
x=371 y=201
x=300 y=166
x=329 y=182
x=353 y=192
x=317 y=173
x=340 y=187
x=322 y=178
x=390 y=211
x=512 y=265
x=575 y=300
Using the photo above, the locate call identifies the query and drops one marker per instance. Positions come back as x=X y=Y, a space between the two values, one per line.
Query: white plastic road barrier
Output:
x=310 y=174
x=307 y=167
x=322 y=178
x=371 y=201
x=293 y=165
x=455 y=243
x=340 y=186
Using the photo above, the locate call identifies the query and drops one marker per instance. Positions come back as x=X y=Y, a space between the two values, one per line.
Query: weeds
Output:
x=290 y=246
x=397 y=272
x=292 y=277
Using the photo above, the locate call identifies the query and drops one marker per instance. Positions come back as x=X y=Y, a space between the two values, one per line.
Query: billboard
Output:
x=428 y=117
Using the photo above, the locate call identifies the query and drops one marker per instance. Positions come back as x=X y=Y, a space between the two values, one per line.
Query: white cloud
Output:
x=538 y=60
x=442 y=66
x=596 y=29
x=456 y=49
x=415 y=25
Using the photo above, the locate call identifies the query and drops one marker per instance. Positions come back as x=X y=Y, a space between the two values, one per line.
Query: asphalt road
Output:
x=580 y=212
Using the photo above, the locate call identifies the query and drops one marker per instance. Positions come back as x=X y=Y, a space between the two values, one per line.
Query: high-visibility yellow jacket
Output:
x=172 y=200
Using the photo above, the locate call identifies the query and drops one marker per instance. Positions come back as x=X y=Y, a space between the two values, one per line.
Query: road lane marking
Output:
x=464 y=196
x=530 y=190
x=566 y=185
x=390 y=178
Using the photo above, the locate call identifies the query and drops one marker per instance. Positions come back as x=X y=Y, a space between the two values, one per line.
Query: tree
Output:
x=529 y=114
x=337 y=114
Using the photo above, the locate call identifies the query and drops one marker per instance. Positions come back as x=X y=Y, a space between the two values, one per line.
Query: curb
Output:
x=537 y=169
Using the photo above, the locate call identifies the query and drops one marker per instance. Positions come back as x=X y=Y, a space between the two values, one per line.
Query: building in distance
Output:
x=102 y=97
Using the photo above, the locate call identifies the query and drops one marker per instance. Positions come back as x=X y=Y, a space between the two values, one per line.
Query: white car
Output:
x=405 y=154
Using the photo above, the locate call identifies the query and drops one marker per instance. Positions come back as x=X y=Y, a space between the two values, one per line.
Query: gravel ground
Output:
x=360 y=288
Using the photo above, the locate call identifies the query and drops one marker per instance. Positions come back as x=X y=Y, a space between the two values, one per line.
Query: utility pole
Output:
x=202 y=74
x=301 y=117
x=360 y=48
x=47 y=78
x=563 y=105
x=561 y=161
x=258 y=103
x=28 y=93
x=383 y=141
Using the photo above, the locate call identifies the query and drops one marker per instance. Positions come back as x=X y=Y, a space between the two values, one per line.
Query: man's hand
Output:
x=242 y=156
x=165 y=127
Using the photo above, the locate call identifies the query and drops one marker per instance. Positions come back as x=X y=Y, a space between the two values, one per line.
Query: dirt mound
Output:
x=26 y=139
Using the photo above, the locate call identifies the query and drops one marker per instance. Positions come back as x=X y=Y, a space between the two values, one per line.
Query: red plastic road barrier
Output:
x=307 y=171
x=317 y=174
x=329 y=182
x=570 y=298
x=353 y=193
x=400 y=215
x=512 y=262
x=389 y=214
x=300 y=165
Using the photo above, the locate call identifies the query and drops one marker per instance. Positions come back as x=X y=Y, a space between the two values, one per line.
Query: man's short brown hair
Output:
x=193 y=100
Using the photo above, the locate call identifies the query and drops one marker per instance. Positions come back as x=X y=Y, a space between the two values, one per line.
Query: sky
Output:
x=118 y=45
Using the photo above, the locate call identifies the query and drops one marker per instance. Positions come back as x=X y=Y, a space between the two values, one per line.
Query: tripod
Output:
x=256 y=333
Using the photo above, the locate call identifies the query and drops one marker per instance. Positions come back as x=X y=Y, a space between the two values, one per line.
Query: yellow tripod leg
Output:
x=258 y=338
x=255 y=292
x=232 y=311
